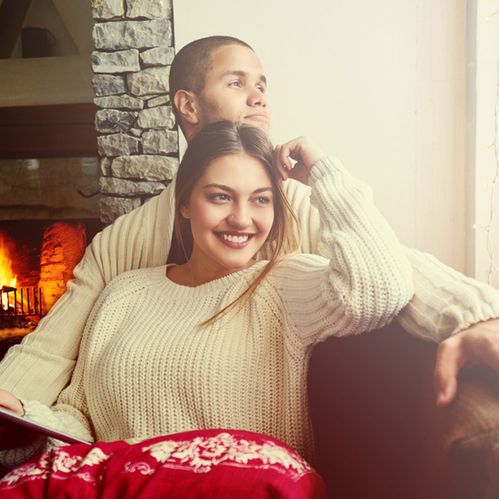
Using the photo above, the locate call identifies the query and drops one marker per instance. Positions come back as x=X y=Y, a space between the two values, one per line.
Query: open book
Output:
x=8 y=417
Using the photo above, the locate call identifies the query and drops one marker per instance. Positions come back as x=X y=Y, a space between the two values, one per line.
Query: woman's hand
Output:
x=9 y=401
x=303 y=151
x=479 y=344
x=12 y=435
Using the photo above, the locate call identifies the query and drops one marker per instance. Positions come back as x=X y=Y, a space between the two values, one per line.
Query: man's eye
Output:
x=236 y=83
x=262 y=88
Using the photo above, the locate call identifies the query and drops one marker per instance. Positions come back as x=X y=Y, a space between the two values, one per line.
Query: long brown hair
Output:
x=226 y=138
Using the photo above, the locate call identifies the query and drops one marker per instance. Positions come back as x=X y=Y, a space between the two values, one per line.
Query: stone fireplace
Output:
x=49 y=207
x=68 y=170
x=137 y=137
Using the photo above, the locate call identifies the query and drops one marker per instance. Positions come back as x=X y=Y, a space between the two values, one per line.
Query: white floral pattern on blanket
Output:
x=57 y=463
x=201 y=454
x=198 y=454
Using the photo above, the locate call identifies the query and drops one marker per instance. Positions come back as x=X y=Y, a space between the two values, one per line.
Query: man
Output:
x=210 y=79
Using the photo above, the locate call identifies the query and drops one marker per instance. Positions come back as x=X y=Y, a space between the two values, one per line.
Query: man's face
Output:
x=235 y=88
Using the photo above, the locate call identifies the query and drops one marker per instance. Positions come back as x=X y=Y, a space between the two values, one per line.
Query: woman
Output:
x=222 y=341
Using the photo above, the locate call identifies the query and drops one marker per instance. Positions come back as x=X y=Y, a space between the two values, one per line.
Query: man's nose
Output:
x=257 y=98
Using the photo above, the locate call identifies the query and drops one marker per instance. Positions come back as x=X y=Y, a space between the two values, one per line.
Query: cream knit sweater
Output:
x=145 y=368
x=444 y=303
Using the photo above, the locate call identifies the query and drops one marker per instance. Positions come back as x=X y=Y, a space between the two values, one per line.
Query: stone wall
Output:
x=138 y=141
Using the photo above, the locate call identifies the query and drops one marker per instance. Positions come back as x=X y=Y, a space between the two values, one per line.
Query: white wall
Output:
x=379 y=84
x=484 y=139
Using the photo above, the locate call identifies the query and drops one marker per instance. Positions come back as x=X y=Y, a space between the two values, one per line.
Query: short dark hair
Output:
x=192 y=62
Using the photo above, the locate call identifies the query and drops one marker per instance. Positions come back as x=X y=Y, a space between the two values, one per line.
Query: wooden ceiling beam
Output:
x=48 y=131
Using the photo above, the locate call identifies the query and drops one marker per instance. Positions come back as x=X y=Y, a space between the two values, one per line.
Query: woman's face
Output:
x=231 y=212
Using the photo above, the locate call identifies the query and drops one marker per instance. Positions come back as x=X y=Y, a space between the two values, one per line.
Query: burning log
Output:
x=24 y=302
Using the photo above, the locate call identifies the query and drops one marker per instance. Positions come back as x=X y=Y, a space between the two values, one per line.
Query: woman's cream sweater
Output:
x=145 y=368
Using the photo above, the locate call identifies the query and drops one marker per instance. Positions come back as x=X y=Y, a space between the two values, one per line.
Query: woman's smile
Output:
x=234 y=240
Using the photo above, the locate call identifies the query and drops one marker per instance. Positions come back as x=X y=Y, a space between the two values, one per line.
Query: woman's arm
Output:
x=70 y=414
x=445 y=302
x=368 y=278
x=447 y=306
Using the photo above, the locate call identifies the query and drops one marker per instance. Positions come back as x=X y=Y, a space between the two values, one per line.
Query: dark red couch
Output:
x=379 y=433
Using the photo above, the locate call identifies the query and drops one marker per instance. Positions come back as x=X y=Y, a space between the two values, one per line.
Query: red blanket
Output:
x=197 y=464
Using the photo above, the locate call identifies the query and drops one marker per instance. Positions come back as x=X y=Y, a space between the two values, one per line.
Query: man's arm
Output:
x=41 y=366
x=446 y=302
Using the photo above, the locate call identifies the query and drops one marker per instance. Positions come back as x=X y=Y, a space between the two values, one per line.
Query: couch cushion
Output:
x=379 y=433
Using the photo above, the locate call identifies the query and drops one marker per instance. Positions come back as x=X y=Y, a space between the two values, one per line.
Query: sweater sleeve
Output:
x=446 y=301
x=41 y=366
x=70 y=413
x=367 y=279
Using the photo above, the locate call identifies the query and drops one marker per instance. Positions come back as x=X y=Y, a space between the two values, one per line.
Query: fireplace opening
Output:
x=37 y=258
x=49 y=211
x=49 y=208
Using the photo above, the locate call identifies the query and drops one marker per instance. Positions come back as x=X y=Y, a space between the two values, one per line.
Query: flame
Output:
x=7 y=277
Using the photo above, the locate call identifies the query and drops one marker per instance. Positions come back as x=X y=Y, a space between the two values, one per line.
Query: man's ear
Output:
x=187 y=107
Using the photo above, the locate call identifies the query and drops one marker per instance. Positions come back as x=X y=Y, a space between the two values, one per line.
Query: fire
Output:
x=7 y=277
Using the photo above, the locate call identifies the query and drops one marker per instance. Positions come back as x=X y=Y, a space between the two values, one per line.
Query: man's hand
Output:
x=303 y=151
x=479 y=344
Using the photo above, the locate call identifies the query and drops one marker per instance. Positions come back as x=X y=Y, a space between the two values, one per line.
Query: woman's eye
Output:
x=219 y=197
x=262 y=200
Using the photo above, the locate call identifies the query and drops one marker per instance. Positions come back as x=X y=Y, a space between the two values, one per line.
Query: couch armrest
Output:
x=379 y=433
x=469 y=430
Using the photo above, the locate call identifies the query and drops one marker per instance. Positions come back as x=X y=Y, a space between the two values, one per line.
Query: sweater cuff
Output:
x=324 y=167
x=39 y=413
x=446 y=302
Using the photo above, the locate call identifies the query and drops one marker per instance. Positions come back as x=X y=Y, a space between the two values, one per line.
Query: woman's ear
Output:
x=187 y=107
x=185 y=212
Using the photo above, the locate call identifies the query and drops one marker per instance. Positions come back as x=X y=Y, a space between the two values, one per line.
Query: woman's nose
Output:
x=239 y=218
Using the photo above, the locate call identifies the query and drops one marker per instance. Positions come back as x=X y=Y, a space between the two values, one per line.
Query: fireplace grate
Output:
x=22 y=302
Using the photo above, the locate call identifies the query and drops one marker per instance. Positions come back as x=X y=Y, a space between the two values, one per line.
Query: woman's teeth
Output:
x=235 y=239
